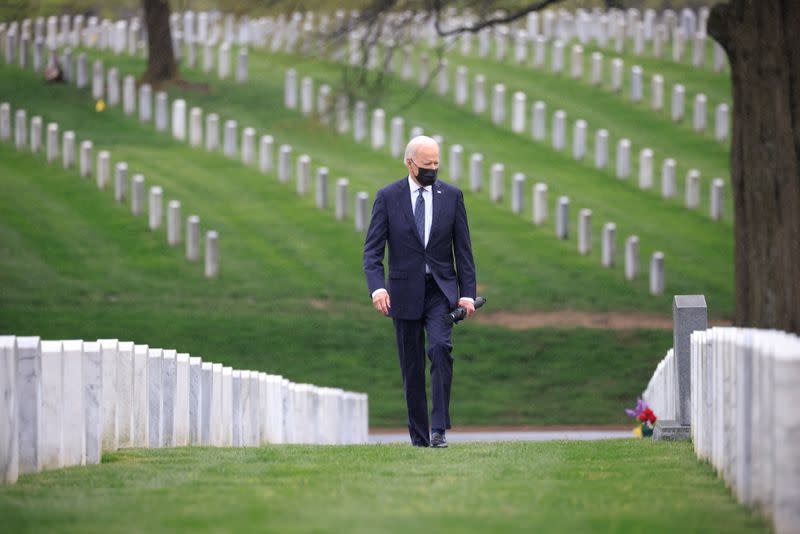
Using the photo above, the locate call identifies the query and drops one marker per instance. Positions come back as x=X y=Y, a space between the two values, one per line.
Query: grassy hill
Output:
x=291 y=296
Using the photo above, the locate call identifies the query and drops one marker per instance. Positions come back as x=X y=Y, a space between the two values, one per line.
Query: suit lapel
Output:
x=437 y=196
x=405 y=206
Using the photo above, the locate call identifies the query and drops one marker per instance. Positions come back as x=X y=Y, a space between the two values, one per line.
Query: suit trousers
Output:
x=411 y=349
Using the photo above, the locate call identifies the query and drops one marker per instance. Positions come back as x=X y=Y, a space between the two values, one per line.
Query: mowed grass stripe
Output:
x=554 y=487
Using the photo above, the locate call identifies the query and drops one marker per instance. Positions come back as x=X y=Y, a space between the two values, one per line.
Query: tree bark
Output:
x=161 y=65
x=762 y=40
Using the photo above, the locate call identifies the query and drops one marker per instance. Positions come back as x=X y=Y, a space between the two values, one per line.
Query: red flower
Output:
x=647 y=415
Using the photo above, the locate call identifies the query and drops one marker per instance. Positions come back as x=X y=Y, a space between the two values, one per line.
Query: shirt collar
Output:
x=414 y=187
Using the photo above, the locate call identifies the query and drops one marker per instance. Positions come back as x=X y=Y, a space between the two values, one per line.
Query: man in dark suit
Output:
x=431 y=272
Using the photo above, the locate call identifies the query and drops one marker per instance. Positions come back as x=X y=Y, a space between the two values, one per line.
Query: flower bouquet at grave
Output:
x=645 y=416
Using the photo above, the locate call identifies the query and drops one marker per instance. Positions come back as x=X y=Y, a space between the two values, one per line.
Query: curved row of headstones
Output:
x=603 y=27
x=538 y=55
x=187 y=124
x=110 y=89
x=133 y=188
x=538 y=130
x=537 y=116
x=613 y=30
x=636 y=88
x=498 y=112
x=64 y=403
x=119 y=35
x=156 y=108
x=28 y=42
x=402 y=63
x=361 y=209
x=397 y=139
x=745 y=385
x=209 y=28
x=522 y=54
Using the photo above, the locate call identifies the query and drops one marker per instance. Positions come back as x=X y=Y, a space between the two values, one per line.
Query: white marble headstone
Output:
x=93 y=399
x=9 y=435
x=52 y=417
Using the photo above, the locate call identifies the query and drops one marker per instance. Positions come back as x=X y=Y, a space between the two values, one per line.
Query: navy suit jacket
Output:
x=448 y=254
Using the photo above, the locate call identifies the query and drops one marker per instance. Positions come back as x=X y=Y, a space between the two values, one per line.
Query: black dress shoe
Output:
x=438 y=441
x=424 y=445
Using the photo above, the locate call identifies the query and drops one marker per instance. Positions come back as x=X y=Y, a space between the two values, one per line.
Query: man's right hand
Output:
x=381 y=302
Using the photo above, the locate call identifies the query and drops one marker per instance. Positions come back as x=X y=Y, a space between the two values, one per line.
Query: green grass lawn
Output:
x=607 y=486
x=516 y=255
x=291 y=296
x=76 y=265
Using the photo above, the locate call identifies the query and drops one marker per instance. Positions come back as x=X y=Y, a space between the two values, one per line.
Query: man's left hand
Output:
x=468 y=305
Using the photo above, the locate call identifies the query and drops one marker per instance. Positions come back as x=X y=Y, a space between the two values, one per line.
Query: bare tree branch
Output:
x=537 y=6
x=384 y=22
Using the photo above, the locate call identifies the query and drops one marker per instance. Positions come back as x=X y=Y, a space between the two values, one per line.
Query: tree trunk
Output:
x=762 y=40
x=161 y=65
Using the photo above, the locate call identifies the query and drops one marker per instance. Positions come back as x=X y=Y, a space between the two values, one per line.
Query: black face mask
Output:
x=426 y=177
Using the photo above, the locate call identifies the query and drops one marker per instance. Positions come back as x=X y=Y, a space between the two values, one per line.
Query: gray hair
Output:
x=414 y=144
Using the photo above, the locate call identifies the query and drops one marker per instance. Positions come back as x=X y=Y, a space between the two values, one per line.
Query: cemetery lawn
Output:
x=617 y=485
x=291 y=299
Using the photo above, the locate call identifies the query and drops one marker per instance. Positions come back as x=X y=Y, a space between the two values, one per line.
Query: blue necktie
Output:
x=419 y=215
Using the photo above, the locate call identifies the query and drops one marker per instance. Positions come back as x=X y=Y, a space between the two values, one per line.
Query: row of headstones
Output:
x=203 y=28
x=110 y=89
x=64 y=403
x=603 y=30
x=601 y=27
x=119 y=37
x=35 y=57
x=744 y=384
x=518 y=118
x=223 y=55
x=122 y=39
x=660 y=393
x=215 y=27
x=455 y=170
x=576 y=72
x=127 y=35
x=42 y=32
x=31 y=139
x=583 y=25
x=598 y=25
x=538 y=112
x=635 y=94
x=538 y=130
x=526 y=48
x=189 y=127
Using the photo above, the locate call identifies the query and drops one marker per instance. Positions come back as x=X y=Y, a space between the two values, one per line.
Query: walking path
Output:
x=578 y=319
x=475 y=434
